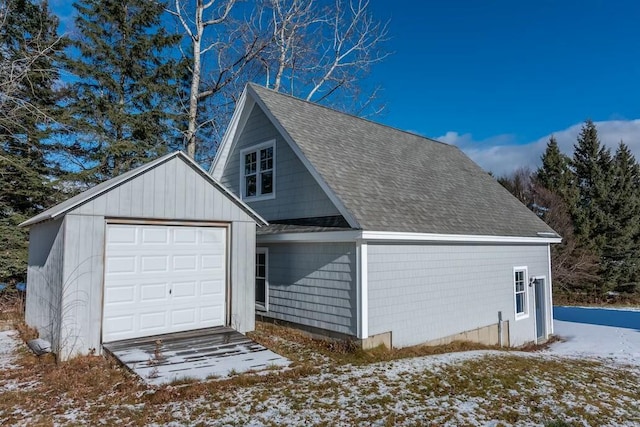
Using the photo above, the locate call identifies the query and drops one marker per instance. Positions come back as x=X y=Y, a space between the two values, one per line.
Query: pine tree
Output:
x=29 y=48
x=591 y=165
x=554 y=174
x=621 y=254
x=121 y=109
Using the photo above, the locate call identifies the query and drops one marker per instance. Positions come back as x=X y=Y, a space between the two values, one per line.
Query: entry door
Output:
x=161 y=279
x=541 y=309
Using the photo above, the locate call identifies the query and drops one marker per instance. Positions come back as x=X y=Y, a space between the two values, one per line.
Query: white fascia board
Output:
x=312 y=170
x=322 y=236
x=463 y=238
x=237 y=123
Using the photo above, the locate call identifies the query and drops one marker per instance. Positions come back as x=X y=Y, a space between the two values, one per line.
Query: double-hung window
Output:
x=257 y=171
x=520 y=292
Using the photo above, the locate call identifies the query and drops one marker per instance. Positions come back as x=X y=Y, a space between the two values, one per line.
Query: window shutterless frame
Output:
x=258 y=171
x=520 y=279
x=262 y=279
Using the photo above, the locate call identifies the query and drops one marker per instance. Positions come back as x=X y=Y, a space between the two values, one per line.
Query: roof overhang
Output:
x=390 y=236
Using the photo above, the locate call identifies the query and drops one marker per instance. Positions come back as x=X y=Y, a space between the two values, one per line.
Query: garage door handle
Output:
x=169 y=291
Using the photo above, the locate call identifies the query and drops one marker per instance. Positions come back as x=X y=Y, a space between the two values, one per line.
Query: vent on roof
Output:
x=546 y=234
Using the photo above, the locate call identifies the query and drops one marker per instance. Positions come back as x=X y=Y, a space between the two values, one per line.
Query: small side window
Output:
x=262 y=280
x=520 y=292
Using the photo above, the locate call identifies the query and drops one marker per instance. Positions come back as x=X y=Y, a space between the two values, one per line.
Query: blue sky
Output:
x=498 y=77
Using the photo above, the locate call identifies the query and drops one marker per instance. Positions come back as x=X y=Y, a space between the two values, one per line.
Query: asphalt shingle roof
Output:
x=391 y=180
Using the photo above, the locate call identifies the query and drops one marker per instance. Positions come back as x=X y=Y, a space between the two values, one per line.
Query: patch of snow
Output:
x=598 y=333
x=8 y=345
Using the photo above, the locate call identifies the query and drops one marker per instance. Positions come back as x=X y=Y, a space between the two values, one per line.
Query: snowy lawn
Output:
x=612 y=334
x=337 y=387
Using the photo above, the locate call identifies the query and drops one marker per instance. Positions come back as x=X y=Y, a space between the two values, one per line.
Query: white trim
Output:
x=363 y=288
x=265 y=251
x=550 y=290
x=257 y=148
x=535 y=312
x=436 y=237
x=352 y=235
x=526 y=292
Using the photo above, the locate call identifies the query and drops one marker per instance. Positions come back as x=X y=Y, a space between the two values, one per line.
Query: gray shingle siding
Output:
x=297 y=193
x=313 y=285
x=425 y=292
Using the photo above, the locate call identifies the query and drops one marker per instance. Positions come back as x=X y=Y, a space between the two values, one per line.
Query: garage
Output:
x=161 y=249
x=161 y=279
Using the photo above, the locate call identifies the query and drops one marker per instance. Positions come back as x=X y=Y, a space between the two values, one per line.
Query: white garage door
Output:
x=162 y=279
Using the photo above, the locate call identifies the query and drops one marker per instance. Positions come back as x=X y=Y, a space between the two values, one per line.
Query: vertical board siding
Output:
x=314 y=285
x=243 y=254
x=298 y=195
x=80 y=331
x=425 y=292
x=45 y=279
x=171 y=191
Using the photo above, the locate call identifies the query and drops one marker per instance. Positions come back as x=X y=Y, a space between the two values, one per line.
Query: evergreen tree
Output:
x=554 y=174
x=29 y=47
x=121 y=108
x=592 y=168
x=621 y=254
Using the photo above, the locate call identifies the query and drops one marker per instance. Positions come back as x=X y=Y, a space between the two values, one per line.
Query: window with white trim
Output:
x=257 y=171
x=262 y=281
x=520 y=291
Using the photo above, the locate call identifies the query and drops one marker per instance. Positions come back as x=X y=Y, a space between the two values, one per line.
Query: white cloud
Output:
x=501 y=155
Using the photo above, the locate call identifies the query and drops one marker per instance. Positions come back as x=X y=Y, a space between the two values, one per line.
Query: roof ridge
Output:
x=351 y=115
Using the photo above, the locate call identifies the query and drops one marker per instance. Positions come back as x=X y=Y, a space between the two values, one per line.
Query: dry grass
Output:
x=329 y=384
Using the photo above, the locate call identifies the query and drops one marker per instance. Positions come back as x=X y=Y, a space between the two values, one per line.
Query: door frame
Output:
x=158 y=222
x=543 y=309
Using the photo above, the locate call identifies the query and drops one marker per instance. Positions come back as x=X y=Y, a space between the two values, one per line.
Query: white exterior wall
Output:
x=71 y=267
x=422 y=292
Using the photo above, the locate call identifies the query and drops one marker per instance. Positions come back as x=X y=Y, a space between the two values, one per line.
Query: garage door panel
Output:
x=121 y=264
x=185 y=236
x=120 y=235
x=154 y=263
x=184 y=290
x=154 y=292
x=119 y=295
x=212 y=262
x=154 y=235
x=170 y=279
x=154 y=321
x=185 y=263
x=211 y=287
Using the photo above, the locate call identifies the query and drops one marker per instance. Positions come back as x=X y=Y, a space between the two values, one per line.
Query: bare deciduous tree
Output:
x=321 y=50
x=225 y=52
x=19 y=66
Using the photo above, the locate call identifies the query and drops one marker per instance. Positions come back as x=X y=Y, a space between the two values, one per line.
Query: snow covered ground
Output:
x=598 y=333
x=8 y=346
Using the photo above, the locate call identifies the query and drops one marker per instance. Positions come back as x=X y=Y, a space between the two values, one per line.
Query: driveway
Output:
x=598 y=332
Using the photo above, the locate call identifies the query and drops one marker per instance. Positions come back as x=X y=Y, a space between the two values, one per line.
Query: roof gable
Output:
x=105 y=187
x=391 y=180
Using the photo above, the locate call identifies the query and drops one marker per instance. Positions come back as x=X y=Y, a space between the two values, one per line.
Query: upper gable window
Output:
x=257 y=171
